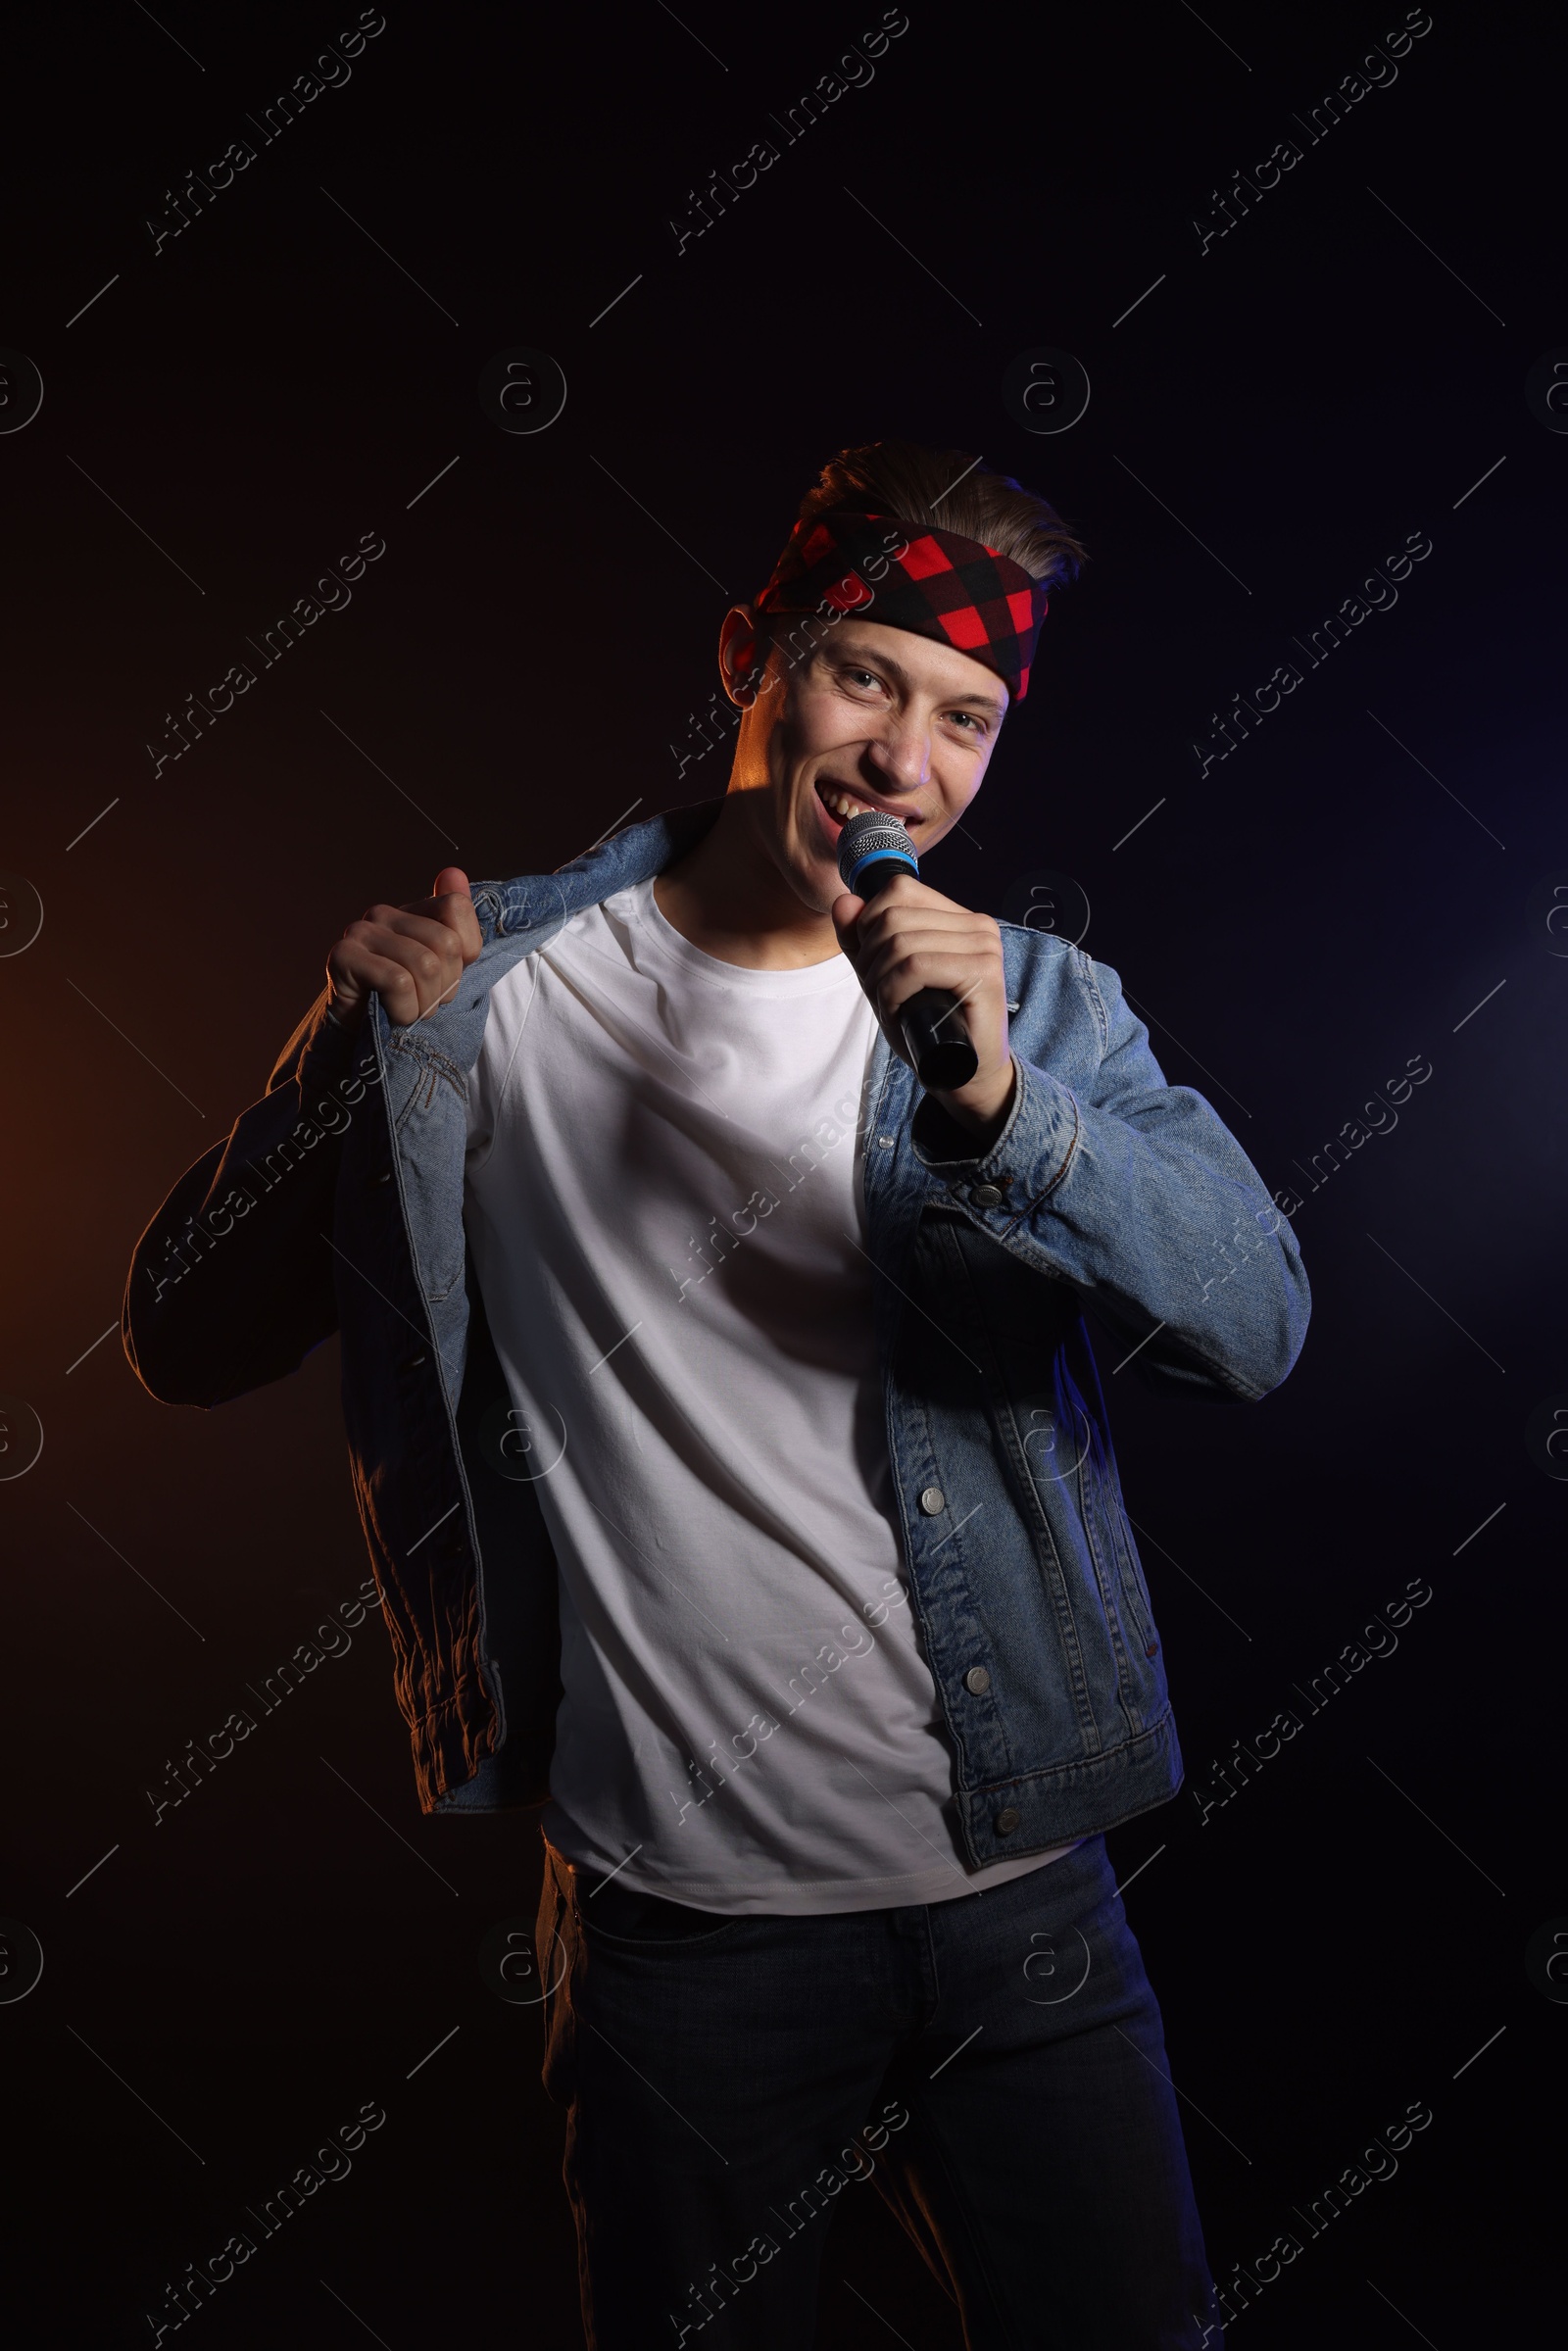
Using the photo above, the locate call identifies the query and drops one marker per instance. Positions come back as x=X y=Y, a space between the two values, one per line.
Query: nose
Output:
x=902 y=754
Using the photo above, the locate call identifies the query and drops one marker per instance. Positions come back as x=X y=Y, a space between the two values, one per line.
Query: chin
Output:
x=817 y=885
x=815 y=880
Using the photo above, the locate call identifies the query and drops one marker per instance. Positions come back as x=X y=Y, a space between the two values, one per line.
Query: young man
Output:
x=734 y=1463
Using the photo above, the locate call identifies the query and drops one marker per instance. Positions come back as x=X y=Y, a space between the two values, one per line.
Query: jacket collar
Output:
x=540 y=901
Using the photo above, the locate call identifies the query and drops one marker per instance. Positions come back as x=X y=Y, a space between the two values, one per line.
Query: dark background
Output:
x=1346 y=1936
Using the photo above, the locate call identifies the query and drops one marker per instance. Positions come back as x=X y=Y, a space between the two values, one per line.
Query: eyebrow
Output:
x=881 y=661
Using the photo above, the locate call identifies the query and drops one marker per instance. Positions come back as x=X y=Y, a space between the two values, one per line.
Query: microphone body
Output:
x=873 y=850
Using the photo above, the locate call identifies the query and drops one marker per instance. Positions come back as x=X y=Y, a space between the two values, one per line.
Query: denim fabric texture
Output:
x=992 y=2067
x=336 y=1203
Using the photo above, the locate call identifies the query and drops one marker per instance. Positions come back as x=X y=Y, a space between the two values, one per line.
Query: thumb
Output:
x=448 y=880
x=846 y=912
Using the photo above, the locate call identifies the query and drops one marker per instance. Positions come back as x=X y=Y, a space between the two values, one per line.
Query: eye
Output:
x=968 y=719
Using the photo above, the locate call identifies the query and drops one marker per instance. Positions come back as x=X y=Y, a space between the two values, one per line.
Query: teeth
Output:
x=842 y=804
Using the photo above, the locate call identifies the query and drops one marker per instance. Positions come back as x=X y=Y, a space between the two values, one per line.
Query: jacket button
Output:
x=414 y=1362
x=986 y=1195
x=385 y=1177
x=933 y=1500
x=977 y=1681
x=1006 y=1821
x=885 y=1142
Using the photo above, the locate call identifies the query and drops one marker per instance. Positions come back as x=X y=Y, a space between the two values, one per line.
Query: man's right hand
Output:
x=411 y=955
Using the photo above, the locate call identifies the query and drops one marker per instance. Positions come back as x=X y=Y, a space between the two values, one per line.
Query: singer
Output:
x=735 y=1468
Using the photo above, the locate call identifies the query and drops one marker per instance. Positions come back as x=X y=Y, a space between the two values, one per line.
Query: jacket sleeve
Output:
x=1137 y=1194
x=232 y=1283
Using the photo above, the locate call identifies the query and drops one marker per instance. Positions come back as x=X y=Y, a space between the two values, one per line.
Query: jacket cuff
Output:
x=318 y=1051
x=329 y=1048
x=1025 y=1161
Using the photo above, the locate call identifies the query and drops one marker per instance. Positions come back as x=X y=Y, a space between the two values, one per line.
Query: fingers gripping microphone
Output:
x=873 y=850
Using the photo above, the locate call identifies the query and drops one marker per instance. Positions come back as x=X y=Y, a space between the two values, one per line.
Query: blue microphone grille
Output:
x=870 y=837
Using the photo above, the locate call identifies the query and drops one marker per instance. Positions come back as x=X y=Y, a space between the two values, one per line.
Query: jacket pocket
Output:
x=1140 y=1607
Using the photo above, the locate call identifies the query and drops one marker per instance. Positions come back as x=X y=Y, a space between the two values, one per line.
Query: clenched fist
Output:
x=910 y=937
x=412 y=955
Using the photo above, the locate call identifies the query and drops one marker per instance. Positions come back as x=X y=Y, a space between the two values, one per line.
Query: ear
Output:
x=742 y=655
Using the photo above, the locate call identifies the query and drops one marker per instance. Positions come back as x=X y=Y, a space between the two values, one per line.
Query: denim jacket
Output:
x=337 y=1204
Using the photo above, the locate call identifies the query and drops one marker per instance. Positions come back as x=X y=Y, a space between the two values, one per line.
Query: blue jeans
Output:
x=993 y=2065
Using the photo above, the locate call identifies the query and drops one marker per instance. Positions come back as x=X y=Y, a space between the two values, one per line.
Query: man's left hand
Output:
x=910 y=937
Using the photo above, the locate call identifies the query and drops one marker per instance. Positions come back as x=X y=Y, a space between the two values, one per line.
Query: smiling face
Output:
x=875 y=717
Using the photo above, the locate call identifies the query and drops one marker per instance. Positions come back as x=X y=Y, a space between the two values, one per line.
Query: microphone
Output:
x=873 y=850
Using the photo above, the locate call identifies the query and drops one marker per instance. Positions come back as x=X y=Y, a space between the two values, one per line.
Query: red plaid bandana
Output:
x=933 y=582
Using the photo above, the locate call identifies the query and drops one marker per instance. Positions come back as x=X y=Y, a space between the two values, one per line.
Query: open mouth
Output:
x=838 y=804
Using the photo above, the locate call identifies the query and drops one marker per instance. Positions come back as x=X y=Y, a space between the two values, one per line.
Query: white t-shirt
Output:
x=665 y=1206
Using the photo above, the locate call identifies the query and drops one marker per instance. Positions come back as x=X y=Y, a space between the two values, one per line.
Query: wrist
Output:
x=345 y=1017
x=981 y=1107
